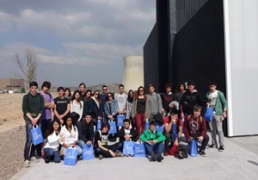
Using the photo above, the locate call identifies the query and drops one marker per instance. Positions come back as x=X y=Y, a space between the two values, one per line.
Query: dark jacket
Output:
x=188 y=100
x=87 y=106
x=86 y=131
x=97 y=111
x=121 y=134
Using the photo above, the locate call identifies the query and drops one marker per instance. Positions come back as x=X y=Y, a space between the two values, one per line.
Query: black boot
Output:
x=47 y=159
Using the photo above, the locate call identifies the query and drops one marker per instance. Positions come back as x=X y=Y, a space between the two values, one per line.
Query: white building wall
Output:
x=241 y=50
x=133 y=72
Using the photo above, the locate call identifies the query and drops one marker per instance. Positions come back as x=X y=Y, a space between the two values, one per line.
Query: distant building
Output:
x=11 y=83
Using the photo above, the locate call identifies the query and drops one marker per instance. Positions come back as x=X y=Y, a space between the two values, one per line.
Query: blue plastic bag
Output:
x=120 y=120
x=160 y=128
x=193 y=148
x=128 y=148
x=112 y=129
x=87 y=152
x=36 y=135
x=99 y=125
x=174 y=131
x=71 y=157
x=208 y=114
x=147 y=125
x=139 y=150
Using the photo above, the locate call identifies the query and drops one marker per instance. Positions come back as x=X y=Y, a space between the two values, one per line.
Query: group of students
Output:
x=76 y=116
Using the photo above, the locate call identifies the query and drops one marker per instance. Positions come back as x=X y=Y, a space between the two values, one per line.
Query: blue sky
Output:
x=75 y=41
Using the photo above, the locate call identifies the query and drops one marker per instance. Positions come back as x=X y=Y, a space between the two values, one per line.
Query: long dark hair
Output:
x=88 y=90
x=68 y=89
x=69 y=116
x=98 y=98
x=129 y=98
x=178 y=86
x=136 y=94
x=50 y=129
x=78 y=101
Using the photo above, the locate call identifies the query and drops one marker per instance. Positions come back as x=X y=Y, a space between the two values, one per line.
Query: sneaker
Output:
x=34 y=159
x=131 y=155
x=119 y=154
x=101 y=157
x=165 y=153
x=221 y=148
x=202 y=153
x=47 y=159
x=159 y=158
x=26 y=163
x=212 y=145
x=153 y=157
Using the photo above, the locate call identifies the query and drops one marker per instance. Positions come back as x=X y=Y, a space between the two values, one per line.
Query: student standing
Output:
x=97 y=107
x=121 y=99
x=68 y=93
x=87 y=102
x=32 y=107
x=129 y=104
x=155 y=102
x=76 y=106
x=82 y=88
x=167 y=98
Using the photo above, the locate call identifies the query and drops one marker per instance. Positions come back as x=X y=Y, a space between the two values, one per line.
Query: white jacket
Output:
x=52 y=141
x=69 y=138
x=76 y=107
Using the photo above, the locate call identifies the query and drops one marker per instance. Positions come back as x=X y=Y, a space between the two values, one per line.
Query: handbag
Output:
x=87 y=152
x=112 y=129
x=128 y=148
x=193 y=148
x=139 y=150
x=70 y=157
x=174 y=131
x=120 y=120
x=99 y=125
x=147 y=124
x=36 y=135
x=160 y=128
x=208 y=113
x=158 y=117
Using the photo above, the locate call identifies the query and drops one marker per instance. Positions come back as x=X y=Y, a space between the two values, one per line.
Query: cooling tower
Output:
x=133 y=72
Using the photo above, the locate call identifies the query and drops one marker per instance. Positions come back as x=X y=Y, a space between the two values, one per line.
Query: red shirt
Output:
x=166 y=120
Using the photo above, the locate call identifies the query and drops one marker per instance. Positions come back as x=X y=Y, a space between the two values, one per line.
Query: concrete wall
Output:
x=241 y=43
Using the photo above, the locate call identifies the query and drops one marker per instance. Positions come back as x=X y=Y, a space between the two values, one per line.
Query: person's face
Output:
x=182 y=88
x=88 y=119
x=60 y=93
x=81 y=88
x=212 y=88
x=152 y=128
x=126 y=125
x=131 y=94
x=69 y=121
x=151 y=90
x=55 y=126
x=105 y=130
x=45 y=89
x=141 y=91
x=104 y=90
x=96 y=94
x=191 y=88
x=121 y=90
x=66 y=93
x=110 y=97
x=174 y=116
x=77 y=96
x=88 y=95
x=197 y=113
x=33 y=90
x=168 y=89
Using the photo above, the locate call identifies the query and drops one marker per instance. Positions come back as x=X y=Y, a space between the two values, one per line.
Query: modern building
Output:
x=10 y=83
x=133 y=72
x=208 y=40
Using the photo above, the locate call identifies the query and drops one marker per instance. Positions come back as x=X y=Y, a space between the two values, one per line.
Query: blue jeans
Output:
x=79 y=149
x=156 y=148
x=50 y=152
x=115 y=147
x=29 y=149
x=45 y=123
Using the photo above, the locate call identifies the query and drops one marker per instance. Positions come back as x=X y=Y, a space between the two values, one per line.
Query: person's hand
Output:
x=149 y=142
x=200 y=138
x=79 y=120
x=127 y=137
x=61 y=121
x=61 y=137
x=154 y=141
x=207 y=103
x=171 y=105
x=182 y=115
x=224 y=114
x=163 y=110
x=34 y=121
x=99 y=118
x=73 y=145
x=110 y=117
x=61 y=116
x=89 y=142
x=112 y=153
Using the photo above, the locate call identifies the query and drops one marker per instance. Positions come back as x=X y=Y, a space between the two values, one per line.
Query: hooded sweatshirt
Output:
x=189 y=99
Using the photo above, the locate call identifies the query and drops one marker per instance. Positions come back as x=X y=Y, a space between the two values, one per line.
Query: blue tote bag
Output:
x=139 y=150
x=71 y=157
x=87 y=152
x=174 y=131
x=99 y=125
x=112 y=129
x=160 y=128
x=147 y=125
x=208 y=114
x=128 y=148
x=120 y=120
x=36 y=135
x=193 y=148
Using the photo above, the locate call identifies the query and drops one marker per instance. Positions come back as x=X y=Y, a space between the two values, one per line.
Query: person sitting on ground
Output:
x=86 y=131
x=69 y=136
x=153 y=142
x=195 y=128
x=52 y=144
x=102 y=149
x=168 y=123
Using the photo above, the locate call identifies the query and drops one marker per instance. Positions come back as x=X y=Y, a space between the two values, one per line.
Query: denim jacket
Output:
x=113 y=106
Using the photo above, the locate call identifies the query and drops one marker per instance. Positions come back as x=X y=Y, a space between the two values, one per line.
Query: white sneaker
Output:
x=34 y=159
x=26 y=163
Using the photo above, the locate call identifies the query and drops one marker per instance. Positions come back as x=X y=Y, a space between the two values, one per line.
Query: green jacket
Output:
x=221 y=102
x=147 y=135
x=33 y=105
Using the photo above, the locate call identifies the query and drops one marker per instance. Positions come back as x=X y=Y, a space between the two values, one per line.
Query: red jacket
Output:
x=194 y=125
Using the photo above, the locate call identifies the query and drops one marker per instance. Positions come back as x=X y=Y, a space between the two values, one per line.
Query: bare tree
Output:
x=29 y=70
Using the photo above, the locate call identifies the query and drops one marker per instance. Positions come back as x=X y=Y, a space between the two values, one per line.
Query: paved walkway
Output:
x=235 y=162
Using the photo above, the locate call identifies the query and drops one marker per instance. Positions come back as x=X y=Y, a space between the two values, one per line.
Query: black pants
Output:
x=114 y=148
x=204 y=141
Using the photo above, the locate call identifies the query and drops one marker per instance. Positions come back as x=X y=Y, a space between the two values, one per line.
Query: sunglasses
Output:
x=109 y=96
x=141 y=90
x=104 y=89
x=96 y=93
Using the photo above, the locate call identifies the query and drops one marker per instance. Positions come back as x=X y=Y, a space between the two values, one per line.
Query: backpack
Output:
x=189 y=117
x=180 y=152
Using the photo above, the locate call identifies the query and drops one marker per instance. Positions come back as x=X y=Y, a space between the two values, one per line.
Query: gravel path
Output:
x=11 y=152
